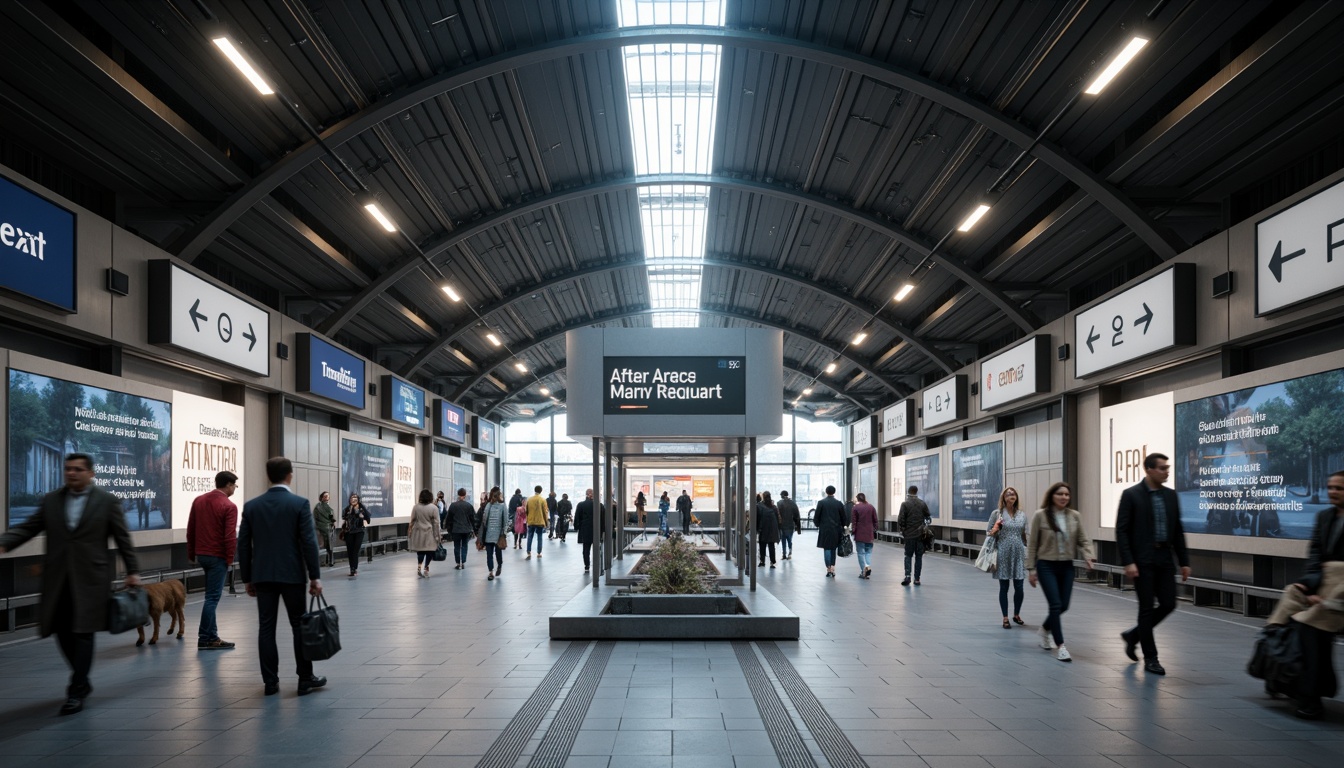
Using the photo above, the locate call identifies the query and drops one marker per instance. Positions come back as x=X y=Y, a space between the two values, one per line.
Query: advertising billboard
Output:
x=403 y=402
x=328 y=371
x=922 y=472
x=977 y=481
x=367 y=470
x=129 y=438
x=483 y=437
x=37 y=247
x=677 y=386
x=208 y=439
x=450 y=422
x=1130 y=431
x=1015 y=373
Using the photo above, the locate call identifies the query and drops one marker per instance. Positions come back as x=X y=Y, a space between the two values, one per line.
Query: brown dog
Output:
x=168 y=597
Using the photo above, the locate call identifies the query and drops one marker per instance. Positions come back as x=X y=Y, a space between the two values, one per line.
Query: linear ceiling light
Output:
x=545 y=392
x=494 y=339
x=380 y=217
x=858 y=339
x=521 y=366
x=807 y=391
x=831 y=368
x=1120 y=61
x=976 y=215
x=905 y=291
x=448 y=289
x=234 y=55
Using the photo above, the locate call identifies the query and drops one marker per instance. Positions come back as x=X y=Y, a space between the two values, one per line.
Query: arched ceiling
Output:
x=852 y=137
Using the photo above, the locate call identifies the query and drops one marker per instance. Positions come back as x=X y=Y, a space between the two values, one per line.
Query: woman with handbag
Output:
x=353 y=518
x=1008 y=526
x=864 y=525
x=1054 y=537
x=425 y=536
x=493 y=533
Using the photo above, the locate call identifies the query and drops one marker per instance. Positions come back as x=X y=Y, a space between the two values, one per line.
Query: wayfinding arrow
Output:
x=1146 y=319
x=196 y=317
x=1092 y=336
x=1276 y=261
x=250 y=336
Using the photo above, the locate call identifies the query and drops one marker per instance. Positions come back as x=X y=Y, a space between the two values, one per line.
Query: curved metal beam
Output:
x=939 y=357
x=487 y=368
x=195 y=240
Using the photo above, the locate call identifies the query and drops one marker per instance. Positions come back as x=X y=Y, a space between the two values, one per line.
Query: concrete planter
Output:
x=673 y=605
x=594 y=614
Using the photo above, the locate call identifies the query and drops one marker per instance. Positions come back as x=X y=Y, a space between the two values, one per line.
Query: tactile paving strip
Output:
x=510 y=742
x=837 y=748
x=559 y=738
x=784 y=737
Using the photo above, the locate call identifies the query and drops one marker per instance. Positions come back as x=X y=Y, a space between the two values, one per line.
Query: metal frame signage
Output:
x=861 y=435
x=713 y=385
x=898 y=421
x=946 y=401
x=403 y=402
x=450 y=422
x=37 y=247
x=1296 y=250
x=328 y=371
x=197 y=316
x=1015 y=373
x=1150 y=317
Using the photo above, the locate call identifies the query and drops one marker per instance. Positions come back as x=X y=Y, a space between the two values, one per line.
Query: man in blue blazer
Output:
x=1151 y=540
x=277 y=554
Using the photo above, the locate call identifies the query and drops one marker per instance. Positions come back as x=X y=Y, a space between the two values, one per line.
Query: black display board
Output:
x=977 y=480
x=674 y=386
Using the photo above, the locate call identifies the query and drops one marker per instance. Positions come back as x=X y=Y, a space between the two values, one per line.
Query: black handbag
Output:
x=440 y=554
x=846 y=547
x=320 y=630
x=1277 y=658
x=127 y=610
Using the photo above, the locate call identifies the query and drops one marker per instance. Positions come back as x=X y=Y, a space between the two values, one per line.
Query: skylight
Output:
x=672 y=94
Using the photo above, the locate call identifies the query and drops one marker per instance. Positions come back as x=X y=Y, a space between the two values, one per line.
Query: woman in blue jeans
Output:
x=864 y=524
x=1055 y=537
x=494 y=525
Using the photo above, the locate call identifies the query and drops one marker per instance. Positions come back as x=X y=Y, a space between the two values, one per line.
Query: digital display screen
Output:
x=675 y=386
x=403 y=402
x=977 y=481
x=37 y=247
x=450 y=422
x=483 y=438
x=328 y=371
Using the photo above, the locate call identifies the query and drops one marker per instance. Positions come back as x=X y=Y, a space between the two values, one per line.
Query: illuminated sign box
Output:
x=37 y=247
x=328 y=371
x=675 y=386
x=403 y=402
x=450 y=422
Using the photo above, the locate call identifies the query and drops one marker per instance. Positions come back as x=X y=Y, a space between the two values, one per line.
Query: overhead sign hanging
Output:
x=193 y=314
x=1015 y=373
x=674 y=386
x=898 y=421
x=1299 y=252
x=861 y=435
x=1153 y=316
x=946 y=401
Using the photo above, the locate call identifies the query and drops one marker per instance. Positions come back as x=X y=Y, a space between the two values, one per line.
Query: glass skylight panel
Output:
x=642 y=13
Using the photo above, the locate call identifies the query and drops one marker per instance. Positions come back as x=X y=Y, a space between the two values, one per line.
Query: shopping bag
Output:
x=320 y=630
x=846 y=547
x=988 y=559
x=127 y=610
x=1277 y=658
x=440 y=554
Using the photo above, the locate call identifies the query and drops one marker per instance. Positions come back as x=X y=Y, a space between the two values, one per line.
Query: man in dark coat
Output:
x=516 y=501
x=790 y=522
x=563 y=511
x=552 y=509
x=912 y=521
x=1150 y=540
x=684 y=507
x=277 y=554
x=583 y=524
x=832 y=520
x=767 y=528
x=77 y=572
x=461 y=524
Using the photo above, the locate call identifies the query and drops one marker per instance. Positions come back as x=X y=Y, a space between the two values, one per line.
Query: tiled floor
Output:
x=433 y=670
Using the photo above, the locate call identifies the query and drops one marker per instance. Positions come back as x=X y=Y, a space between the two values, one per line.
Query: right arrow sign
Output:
x=1295 y=251
x=1154 y=315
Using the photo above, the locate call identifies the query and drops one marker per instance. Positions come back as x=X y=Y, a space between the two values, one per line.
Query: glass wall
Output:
x=539 y=453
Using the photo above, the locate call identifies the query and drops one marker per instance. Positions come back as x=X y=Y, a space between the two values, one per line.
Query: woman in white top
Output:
x=1055 y=536
x=1008 y=525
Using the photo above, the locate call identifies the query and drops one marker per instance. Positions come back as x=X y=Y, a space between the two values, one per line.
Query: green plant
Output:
x=675 y=568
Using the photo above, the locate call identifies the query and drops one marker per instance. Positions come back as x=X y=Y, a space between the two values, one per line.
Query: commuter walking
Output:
x=790 y=522
x=353 y=518
x=461 y=526
x=494 y=522
x=913 y=521
x=640 y=503
x=565 y=512
x=425 y=535
x=767 y=528
x=583 y=521
x=277 y=554
x=552 y=509
x=664 y=504
x=442 y=506
x=212 y=541
x=864 y=524
x=831 y=524
x=324 y=521
x=1054 y=538
x=77 y=572
x=519 y=525
x=684 y=508
x=537 y=515
x=1008 y=526
x=1151 y=542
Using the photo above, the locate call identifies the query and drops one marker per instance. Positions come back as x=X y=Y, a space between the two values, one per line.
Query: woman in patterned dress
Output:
x=1008 y=524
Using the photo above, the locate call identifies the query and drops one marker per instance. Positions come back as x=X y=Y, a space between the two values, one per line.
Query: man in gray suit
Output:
x=277 y=553
x=76 y=570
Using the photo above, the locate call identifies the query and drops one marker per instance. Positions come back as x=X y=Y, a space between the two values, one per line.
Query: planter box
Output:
x=755 y=616
x=673 y=605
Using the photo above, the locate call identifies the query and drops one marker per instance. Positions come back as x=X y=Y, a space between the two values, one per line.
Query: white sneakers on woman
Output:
x=1047 y=640
x=1063 y=654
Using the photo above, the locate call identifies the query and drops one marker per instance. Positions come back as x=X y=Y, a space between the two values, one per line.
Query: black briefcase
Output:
x=127 y=610
x=320 y=630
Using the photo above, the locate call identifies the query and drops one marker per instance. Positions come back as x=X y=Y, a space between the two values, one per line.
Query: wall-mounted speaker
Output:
x=118 y=282
x=975 y=388
x=1063 y=352
x=1223 y=284
x=373 y=389
x=282 y=350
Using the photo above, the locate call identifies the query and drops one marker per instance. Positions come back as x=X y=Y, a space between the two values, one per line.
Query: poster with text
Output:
x=1254 y=462
x=868 y=483
x=405 y=492
x=129 y=438
x=922 y=472
x=366 y=471
x=702 y=487
x=208 y=438
x=977 y=481
x=1130 y=431
x=463 y=477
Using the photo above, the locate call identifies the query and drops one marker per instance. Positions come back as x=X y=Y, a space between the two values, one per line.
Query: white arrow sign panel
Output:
x=196 y=315
x=1156 y=314
x=1299 y=252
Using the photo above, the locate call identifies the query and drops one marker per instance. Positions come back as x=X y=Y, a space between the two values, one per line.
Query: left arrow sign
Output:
x=196 y=317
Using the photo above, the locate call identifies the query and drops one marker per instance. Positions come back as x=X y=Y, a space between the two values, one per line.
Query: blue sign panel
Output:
x=450 y=422
x=328 y=371
x=37 y=247
x=484 y=437
x=403 y=402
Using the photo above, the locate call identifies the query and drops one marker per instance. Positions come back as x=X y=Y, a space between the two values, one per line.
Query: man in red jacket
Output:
x=212 y=540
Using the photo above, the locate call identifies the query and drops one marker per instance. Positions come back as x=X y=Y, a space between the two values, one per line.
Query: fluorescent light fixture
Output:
x=905 y=291
x=225 y=45
x=831 y=368
x=448 y=289
x=545 y=392
x=521 y=366
x=858 y=339
x=1120 y=61
x=976 y=215
x=807 y=391
x=380 y=217
x=494 y=339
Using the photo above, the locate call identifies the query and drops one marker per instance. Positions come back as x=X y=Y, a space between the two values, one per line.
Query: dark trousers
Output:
x=771 y=547
x=686 y=523
x=214 y=570
x=1056 y=580
x=914 y=549
x=269 y=595
x=354 y=540
x=77 y=647
x=460 y=542
x=786 y=542
x=491 y=553
x=424 y=558
x=1154 y=581
x=588 y=549
x=1017 y=595
x=325 y=540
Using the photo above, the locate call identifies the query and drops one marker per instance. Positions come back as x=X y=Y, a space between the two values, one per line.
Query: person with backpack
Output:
x=912 y=522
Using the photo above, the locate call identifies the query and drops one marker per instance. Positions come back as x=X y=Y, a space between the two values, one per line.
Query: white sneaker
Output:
x=1047 y=640
x=1063 y=654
